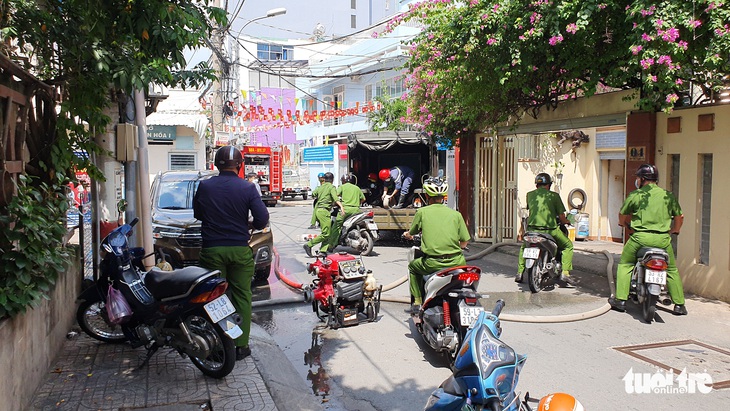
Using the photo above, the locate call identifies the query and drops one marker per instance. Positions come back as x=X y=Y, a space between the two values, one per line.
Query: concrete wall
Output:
x=30 y=342
x=159 y=154
x=711 y=280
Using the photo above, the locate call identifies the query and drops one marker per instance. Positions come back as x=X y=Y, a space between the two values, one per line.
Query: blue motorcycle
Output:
x=185 y=309
x=485 y=371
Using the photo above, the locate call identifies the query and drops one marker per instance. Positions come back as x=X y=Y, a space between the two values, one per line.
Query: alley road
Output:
x=385 y=365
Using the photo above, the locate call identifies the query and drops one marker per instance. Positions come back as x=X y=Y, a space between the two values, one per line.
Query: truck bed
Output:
x=398 y=219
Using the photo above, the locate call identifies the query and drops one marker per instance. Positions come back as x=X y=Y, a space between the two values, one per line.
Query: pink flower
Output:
x=659 y=22
x=652 y=78
x=495 y=8
x=682 y=44
x=646 y=37
x=646 y=63
x=491 y=41
x=374 y=35
x=571 y=28
x=665 y=60
x=671 y=98
x=556 y=39
x=669 y=35
x=695 y=23
x=679 y=81
x=601 y=6
x=636 y=49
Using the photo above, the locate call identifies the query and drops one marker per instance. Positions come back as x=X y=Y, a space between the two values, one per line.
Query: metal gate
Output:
x=496 y=207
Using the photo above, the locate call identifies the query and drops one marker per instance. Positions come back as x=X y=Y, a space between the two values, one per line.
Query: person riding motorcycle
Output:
x=315 y=193
x=351 y=197
x=326 y=197
x=443 y=236
x=651 y=214
x=545 y=207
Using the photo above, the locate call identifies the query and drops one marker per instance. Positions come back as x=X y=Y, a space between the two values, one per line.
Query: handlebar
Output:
x=498 y=307
x=134 y=222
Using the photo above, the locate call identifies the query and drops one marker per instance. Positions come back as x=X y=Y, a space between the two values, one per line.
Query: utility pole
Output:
x=221 y=68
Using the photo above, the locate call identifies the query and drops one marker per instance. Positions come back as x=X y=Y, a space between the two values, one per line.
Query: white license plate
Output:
x=219 y=308
x=532 y=252
x=655 y=277
x=372 y=226
x=469 y=313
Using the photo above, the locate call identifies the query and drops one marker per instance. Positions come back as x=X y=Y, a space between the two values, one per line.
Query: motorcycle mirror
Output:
x=369 y=272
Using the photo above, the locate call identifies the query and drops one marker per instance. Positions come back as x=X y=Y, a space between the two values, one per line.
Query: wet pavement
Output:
x=287 y=372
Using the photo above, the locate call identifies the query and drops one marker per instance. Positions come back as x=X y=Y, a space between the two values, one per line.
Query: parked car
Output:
x=177 y=233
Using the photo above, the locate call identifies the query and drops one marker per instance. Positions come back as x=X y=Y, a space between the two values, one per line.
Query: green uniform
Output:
x=326 y=197
x=237 y=266
x=652 y=209
x=545 y=206
x=441 y=231
x=315 y=193
x=352 y=197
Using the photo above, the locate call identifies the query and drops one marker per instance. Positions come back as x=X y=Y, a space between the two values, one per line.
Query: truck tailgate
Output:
x=392 y=219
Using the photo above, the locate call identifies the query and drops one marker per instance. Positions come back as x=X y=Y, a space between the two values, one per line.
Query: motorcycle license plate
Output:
x=219 y=308
x=372 y=226
x=655 y=277
x=531 y=252
x=469 y=313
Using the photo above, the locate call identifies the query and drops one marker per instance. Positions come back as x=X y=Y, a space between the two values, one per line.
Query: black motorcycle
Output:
x=185 y=309
x=542 y=259
x=359 y=231
x=649 y=280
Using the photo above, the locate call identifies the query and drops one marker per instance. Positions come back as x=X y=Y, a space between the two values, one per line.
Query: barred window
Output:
x=182 y=161
x=528 y=147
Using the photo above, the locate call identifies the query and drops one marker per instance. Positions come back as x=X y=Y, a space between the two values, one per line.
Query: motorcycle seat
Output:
x=169 y=285
x=653 y=250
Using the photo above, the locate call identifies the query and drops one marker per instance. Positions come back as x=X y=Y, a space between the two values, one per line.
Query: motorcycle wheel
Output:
x=533 y=276
x=371 y=242
x=222 y=354
x=93 y=320
x=648 y=308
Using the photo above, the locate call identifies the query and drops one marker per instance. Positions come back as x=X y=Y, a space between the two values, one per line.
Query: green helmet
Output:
x=435 y=187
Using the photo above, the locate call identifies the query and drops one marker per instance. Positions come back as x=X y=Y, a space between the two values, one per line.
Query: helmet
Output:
x=648 y=172
x=320 y=176
x=543 y=179
x=559 y=401
x=348 y=178
x=435 y=187
x=384 y=174
x=373 y=177
x=228 y=157
x=329 y=177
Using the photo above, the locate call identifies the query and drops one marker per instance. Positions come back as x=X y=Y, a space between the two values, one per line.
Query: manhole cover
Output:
x=690 y=355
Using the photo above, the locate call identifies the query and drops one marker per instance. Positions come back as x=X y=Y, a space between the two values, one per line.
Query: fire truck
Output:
x=266 y=163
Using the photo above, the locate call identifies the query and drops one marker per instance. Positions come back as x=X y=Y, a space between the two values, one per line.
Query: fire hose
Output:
x=299 y=287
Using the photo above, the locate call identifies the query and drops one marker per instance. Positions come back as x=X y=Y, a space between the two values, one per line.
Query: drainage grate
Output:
x=694 y=356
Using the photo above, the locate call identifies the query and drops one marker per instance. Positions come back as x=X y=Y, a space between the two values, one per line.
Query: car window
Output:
x=174 y=195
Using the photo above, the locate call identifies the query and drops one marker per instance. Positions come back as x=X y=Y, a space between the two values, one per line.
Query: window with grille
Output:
x=528 y=147
x=368 y=92
x=705 y=202
x=353 y=21
x=182 y=161
x=353 y=4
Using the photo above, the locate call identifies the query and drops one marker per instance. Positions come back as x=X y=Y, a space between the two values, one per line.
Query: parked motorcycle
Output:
x=542 y=259
x=450 y=306
x=185 y=309
x=485 y=371
x=359 y=231
x=343 y=292
x=649 y=280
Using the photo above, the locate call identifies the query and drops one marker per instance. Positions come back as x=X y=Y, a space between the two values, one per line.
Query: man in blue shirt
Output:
x=222 y=204
x=401 y=178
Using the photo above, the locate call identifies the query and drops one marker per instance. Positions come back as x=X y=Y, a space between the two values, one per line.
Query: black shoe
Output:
x=308 y=249
x=679 y=309
x=618 y=305
x=242 y=352
x=311 y=227
x=413 y=310
x=518 y=278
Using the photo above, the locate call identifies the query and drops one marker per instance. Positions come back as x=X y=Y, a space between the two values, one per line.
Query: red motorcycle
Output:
x=343 y=293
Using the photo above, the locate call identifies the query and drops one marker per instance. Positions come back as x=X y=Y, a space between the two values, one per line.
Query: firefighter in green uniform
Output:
x=315 y=193
x=443 y=236
x=545 y=208
x=326 y=197
x=651 y=214
x=351 y=197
